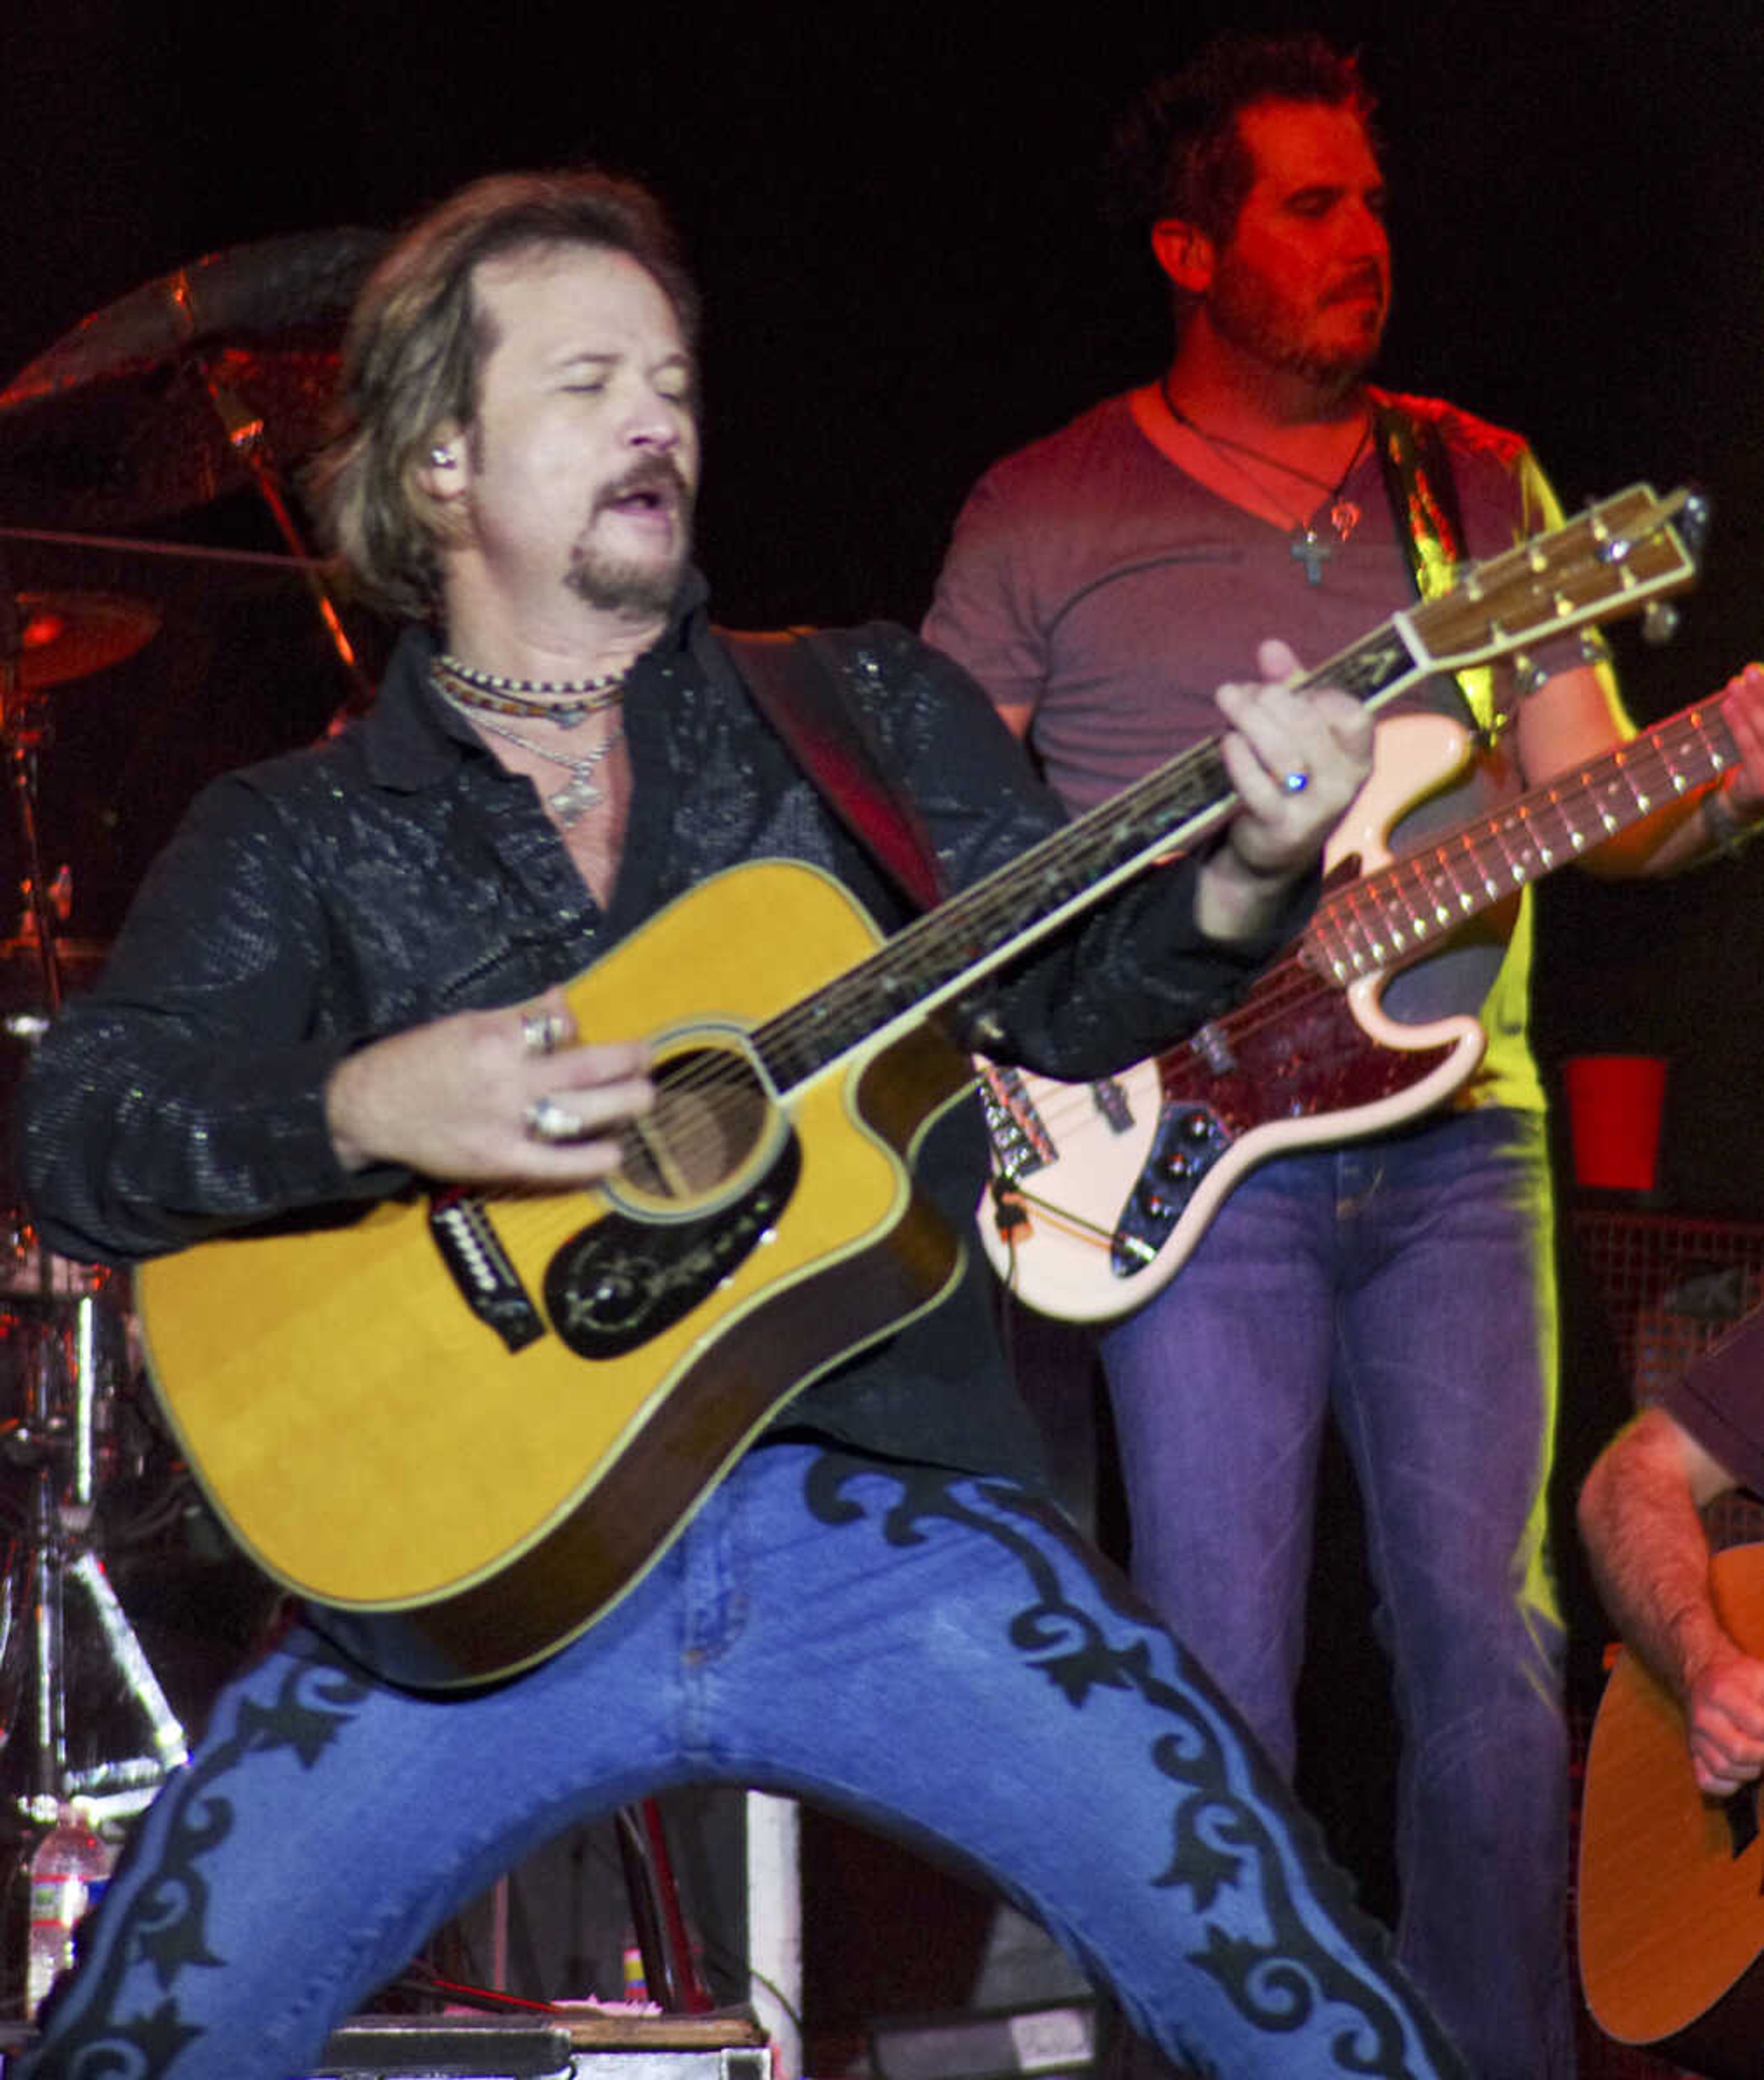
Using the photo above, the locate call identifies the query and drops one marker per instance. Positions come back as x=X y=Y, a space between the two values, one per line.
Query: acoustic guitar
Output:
x=1671 y=1887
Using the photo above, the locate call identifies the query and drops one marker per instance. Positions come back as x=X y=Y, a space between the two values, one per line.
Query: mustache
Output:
x=1368 y=276
x=657 y=474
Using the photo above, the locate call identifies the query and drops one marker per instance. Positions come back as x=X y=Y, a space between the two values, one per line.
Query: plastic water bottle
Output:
x=68 y=1871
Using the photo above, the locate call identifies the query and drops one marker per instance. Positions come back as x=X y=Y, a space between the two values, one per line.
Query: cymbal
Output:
x=116 y=422
x=66 y=635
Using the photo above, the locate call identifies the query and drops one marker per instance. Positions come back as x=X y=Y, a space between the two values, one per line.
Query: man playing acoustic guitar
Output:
x=341 y=990
x=1639 y=1522
x=1669 y=1894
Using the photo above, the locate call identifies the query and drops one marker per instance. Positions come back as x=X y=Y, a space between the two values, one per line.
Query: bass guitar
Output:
x=1671 y=1885
x=464 y=1423
x=1101 y=1191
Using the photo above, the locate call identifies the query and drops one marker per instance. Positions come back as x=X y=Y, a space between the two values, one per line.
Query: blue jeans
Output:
x=938 y=1656
x=1406 y=1286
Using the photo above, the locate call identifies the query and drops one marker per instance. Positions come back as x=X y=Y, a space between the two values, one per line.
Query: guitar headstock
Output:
x=1612 y=560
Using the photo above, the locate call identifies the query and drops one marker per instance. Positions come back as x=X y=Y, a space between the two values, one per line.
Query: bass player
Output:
x=1096 y=583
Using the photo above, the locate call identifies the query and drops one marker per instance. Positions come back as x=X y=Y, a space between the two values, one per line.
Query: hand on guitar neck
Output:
x=1297 y=760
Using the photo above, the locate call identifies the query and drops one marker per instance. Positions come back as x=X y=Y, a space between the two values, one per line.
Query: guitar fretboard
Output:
x=1605 y=562
x=964 y=939
x=1391 y=916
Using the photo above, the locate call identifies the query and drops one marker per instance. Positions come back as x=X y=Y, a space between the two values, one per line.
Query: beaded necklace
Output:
x=579 y=793
x=565 y=702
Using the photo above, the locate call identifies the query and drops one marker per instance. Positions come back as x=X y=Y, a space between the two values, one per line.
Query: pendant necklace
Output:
x=579 y=793
x=1309 y=547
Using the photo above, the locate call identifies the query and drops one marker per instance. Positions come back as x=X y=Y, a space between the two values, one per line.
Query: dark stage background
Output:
x=892 y=210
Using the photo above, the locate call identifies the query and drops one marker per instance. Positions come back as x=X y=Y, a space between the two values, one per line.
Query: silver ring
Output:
x=1296 y=781
x=543 y=1032
x=546 y=1120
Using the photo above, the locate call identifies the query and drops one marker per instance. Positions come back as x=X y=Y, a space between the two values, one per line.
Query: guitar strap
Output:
x=1423 y=496
x=800 y=691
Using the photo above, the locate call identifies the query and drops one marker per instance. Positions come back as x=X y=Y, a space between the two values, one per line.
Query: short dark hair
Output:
x=1179 y=151
x=414 y=354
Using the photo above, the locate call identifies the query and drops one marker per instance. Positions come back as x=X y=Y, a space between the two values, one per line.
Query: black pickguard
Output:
x=616 y=1284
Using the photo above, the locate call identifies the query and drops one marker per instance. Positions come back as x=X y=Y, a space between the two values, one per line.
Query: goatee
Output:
x=615 y=582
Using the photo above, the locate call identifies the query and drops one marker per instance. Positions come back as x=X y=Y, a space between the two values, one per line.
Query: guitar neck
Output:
x=1605 y=563
x=944 y=953
x=1393 y=915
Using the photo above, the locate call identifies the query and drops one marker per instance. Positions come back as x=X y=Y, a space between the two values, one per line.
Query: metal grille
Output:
x=1670 y=1286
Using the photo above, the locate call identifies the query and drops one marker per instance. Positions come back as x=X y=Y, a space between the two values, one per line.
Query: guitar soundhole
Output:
x=711 y=1117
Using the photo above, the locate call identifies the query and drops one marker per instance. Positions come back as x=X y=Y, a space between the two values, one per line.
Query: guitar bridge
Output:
x=1021 y=1144
x=479 y=1267
x=1209 y=1042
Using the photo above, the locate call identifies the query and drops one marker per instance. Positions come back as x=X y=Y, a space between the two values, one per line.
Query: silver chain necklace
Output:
x=579 y=793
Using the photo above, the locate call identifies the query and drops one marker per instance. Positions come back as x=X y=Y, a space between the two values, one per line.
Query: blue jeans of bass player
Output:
x=1404 y=1286
x=938 y=1656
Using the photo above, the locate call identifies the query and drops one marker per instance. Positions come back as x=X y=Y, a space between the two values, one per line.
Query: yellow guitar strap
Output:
x=1424 y=498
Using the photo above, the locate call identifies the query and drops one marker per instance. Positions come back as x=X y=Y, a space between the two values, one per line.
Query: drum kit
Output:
x=214 y=379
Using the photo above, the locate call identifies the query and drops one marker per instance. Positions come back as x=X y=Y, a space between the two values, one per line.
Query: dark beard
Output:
x=1248 y=315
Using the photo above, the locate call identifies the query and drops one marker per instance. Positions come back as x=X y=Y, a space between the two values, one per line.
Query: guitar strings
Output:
x=1134 y=820
x=1656 y=760
x=1011 y=902
x=1548 y=594
x=1351 y=931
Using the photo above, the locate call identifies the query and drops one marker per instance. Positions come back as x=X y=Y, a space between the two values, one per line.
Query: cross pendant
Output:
x=578 y=794
x=1312 y=550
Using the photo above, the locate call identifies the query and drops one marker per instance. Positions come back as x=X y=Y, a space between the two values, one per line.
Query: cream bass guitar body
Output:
x=1100 y=1192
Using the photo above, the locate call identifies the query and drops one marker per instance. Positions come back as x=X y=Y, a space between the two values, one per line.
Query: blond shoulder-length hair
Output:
x=415 y=348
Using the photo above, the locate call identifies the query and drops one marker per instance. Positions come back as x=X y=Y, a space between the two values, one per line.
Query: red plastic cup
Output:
x=1614 y=1107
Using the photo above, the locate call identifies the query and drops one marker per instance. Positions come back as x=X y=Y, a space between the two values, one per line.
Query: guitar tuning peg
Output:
x=1659 y=621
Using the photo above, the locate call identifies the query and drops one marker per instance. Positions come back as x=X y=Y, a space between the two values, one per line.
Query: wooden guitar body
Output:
x=376 y=1446
x=1671 y=1887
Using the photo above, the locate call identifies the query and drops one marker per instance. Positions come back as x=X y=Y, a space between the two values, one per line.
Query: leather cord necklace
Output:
x=1309 y=547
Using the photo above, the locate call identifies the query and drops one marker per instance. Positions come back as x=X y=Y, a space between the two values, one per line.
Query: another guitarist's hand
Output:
x=1725 y=1715
x=1297 y=760
x=1742 y=710
x=502 y=1097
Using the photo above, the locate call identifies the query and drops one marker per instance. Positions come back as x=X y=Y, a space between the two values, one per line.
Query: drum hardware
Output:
x=217 y=377
x=63 y=1345
x=64 y=635
x=68 y=1351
